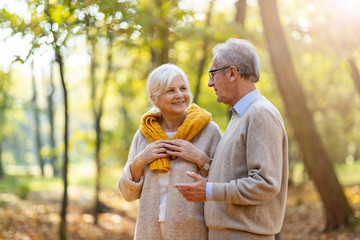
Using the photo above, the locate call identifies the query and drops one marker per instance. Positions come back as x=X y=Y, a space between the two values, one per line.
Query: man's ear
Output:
x=233 y=73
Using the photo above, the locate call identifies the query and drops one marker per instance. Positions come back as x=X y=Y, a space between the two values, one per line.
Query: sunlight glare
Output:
x=304 y=23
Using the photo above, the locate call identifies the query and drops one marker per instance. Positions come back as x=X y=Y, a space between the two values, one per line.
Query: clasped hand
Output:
x=186 y=150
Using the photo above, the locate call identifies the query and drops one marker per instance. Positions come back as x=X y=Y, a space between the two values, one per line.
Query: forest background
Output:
x=72 y=93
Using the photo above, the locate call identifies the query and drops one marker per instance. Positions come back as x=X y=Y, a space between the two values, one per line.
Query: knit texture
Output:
x=249 y=175
x=197 y=118
x=183 y=220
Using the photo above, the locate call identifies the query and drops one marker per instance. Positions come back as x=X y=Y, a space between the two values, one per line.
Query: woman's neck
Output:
x=171 y=123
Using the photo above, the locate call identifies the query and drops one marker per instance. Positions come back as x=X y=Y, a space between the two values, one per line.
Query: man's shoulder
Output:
x=262 y=106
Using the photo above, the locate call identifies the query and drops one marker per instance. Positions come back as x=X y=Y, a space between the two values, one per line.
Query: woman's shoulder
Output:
x=212 y=127
x=138 y=137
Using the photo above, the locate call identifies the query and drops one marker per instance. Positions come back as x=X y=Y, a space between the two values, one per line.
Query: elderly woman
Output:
x=156 y=163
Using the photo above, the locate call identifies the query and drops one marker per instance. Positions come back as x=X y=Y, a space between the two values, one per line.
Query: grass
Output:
x=347 y=173
x=24 y=179
x=21 y=180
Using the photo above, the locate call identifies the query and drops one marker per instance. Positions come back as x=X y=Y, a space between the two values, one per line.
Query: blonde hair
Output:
x=159 y=80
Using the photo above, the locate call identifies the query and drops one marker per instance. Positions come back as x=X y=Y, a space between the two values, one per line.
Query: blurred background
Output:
x=72 y=92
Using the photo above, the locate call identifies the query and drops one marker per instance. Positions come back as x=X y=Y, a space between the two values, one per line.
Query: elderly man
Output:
x=245 y=195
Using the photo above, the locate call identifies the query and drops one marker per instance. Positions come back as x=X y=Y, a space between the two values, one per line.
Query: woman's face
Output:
x=175 y=99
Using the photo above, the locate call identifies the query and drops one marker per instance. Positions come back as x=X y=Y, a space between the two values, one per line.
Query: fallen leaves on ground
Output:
x=37 y=218
x=305 y=218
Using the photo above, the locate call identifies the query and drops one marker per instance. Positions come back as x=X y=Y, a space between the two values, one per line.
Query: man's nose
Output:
x=210 y=82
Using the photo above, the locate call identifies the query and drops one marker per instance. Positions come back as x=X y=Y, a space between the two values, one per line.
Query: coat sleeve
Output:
x=129 y=189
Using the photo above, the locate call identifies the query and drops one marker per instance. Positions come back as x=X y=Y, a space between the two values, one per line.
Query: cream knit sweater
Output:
x=249 y=175
x=183 y=220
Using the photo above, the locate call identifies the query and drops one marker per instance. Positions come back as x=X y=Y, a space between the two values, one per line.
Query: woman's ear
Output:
x=153 y=100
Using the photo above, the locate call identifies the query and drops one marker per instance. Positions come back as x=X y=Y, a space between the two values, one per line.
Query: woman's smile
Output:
x=178 y=103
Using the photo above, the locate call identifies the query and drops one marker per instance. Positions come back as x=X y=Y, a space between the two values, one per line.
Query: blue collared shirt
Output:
x=240 y=108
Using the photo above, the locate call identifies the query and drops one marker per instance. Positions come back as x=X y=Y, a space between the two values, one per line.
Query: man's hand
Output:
x=193 y=192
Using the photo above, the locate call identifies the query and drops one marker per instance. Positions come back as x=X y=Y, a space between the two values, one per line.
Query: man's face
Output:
x=220 y=82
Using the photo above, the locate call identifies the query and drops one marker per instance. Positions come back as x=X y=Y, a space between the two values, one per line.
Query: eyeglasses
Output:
x=211 y=72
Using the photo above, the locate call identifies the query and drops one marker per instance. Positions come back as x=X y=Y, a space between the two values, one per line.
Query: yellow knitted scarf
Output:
x=197 y=118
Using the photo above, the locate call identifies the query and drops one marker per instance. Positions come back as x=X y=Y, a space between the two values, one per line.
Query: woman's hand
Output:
x=153 y=151
x=186 y=150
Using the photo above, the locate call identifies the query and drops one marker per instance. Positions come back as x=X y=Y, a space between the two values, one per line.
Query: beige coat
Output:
x=183 y=220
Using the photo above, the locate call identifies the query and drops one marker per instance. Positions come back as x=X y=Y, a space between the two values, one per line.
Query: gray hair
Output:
x=159 y=80
x=241 y=54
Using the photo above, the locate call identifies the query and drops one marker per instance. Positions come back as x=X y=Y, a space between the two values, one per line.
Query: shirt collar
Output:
x=244 y=102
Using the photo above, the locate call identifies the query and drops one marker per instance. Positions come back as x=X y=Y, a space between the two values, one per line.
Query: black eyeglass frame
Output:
x=215 y=70
x=211 y=75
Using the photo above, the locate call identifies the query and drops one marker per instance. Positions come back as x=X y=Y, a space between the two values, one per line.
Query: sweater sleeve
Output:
x=264 y=162
x=129 y=189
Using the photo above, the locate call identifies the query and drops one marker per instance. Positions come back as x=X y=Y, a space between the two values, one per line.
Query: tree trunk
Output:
x=205 y=53
x=2 y=122
x=37 y=121
x=240 y=12
x=160 y=55
x=66 y=144
x=354 y=72
x=98 y=113
x=317 y=161
x=2 y=173
x=97 y=127
x=53 y=154
x=164 y=51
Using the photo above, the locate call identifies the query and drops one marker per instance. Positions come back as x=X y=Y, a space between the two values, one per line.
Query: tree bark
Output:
x=317 y=161
x=240 y=12
x=160 y=32
x=2 y=173
x=354 y=72
x=98 y=114
x=204 y=50
x=50 y=103
x=164 y=51
x=64 y=204
x=2 y=121
x=37 y=121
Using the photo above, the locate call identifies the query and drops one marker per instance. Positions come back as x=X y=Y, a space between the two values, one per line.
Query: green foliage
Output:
x=22 y=191
x=349 y=173
x=13 y=21
x=148 y=33
x=319 y=58
x=22 y=185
